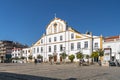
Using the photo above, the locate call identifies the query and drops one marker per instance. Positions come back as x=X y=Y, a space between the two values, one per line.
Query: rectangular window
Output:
x=41 y=40
x=33 y=50
x=12 y=54
x=72 y=36
x=49 y=48
x=23 y=51
x=96 y=45
x=72 y=46
x=61 y=38
x=108 y=46
x=18 y=54
x=55 y=39
x=55 y=48
x=26 y=51
x=86 y=44
x=41 y=49
x=49 y=39
x=78 y=45
x=37 y=49
x=61 y=47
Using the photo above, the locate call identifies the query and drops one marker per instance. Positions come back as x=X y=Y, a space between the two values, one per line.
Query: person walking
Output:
x=80 y=62
x=35 y=61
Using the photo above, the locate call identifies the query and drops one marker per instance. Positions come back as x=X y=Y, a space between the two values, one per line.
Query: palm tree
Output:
x=94 y=55
x=101 y=53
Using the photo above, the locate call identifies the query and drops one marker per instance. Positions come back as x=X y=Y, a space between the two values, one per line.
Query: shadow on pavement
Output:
x=14 y=76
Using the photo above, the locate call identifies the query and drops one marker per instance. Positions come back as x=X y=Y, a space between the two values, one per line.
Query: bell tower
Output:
x=56 y=25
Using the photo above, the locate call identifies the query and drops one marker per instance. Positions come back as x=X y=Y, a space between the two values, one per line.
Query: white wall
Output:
x=115 y=46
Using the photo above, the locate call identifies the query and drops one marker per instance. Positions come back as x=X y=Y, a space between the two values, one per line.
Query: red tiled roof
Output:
x=112 y=38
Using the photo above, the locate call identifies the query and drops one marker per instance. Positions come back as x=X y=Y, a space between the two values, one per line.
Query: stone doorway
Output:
x=55 y=58
x=60 y=58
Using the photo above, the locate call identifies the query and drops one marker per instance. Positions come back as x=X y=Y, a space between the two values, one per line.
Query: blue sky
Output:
x=25 y=20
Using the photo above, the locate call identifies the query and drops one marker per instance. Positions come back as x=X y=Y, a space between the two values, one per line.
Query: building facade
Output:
x=113 y=42
x=26 y=52
x=16 y=52
x=59 y=38
x=6 y=48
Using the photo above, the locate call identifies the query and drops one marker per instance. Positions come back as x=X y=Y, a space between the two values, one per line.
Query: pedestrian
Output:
x=80 y=62
x=99 y=62
x=35 y=61
x=51 y=61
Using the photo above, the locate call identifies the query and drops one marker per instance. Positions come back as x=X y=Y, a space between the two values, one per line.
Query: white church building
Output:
x=59 y=37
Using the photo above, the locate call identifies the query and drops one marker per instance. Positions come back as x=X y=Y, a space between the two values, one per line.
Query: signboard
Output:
x=107 y=54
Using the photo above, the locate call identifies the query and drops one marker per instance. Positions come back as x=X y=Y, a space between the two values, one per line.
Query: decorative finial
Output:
x=55 y=15
x=101 y=35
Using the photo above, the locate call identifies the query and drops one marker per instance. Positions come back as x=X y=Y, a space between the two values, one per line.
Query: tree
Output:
x=22 y=57
x=30 y=57
x=50 y=58
x=71 y=57
x=79 y=55
x=94 y=55
x=16 y=58
x=63 y=55
x=39 y=56
x=87 y=57
x=101 y=53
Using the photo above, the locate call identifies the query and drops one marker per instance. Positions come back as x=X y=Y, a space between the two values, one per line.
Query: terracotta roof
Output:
x=111 y=38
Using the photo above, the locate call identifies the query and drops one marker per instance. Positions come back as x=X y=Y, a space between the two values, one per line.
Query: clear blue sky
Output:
x=26 y=20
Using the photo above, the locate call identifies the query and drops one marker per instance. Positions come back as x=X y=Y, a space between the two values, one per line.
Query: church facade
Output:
x=59 y=38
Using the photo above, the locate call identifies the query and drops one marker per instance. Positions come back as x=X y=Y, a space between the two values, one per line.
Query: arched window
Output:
x=55 y=27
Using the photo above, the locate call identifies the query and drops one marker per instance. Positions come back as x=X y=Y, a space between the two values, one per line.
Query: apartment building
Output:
x=6 y=47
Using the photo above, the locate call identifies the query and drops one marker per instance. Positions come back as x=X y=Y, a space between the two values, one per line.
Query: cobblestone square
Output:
x=43 y=71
